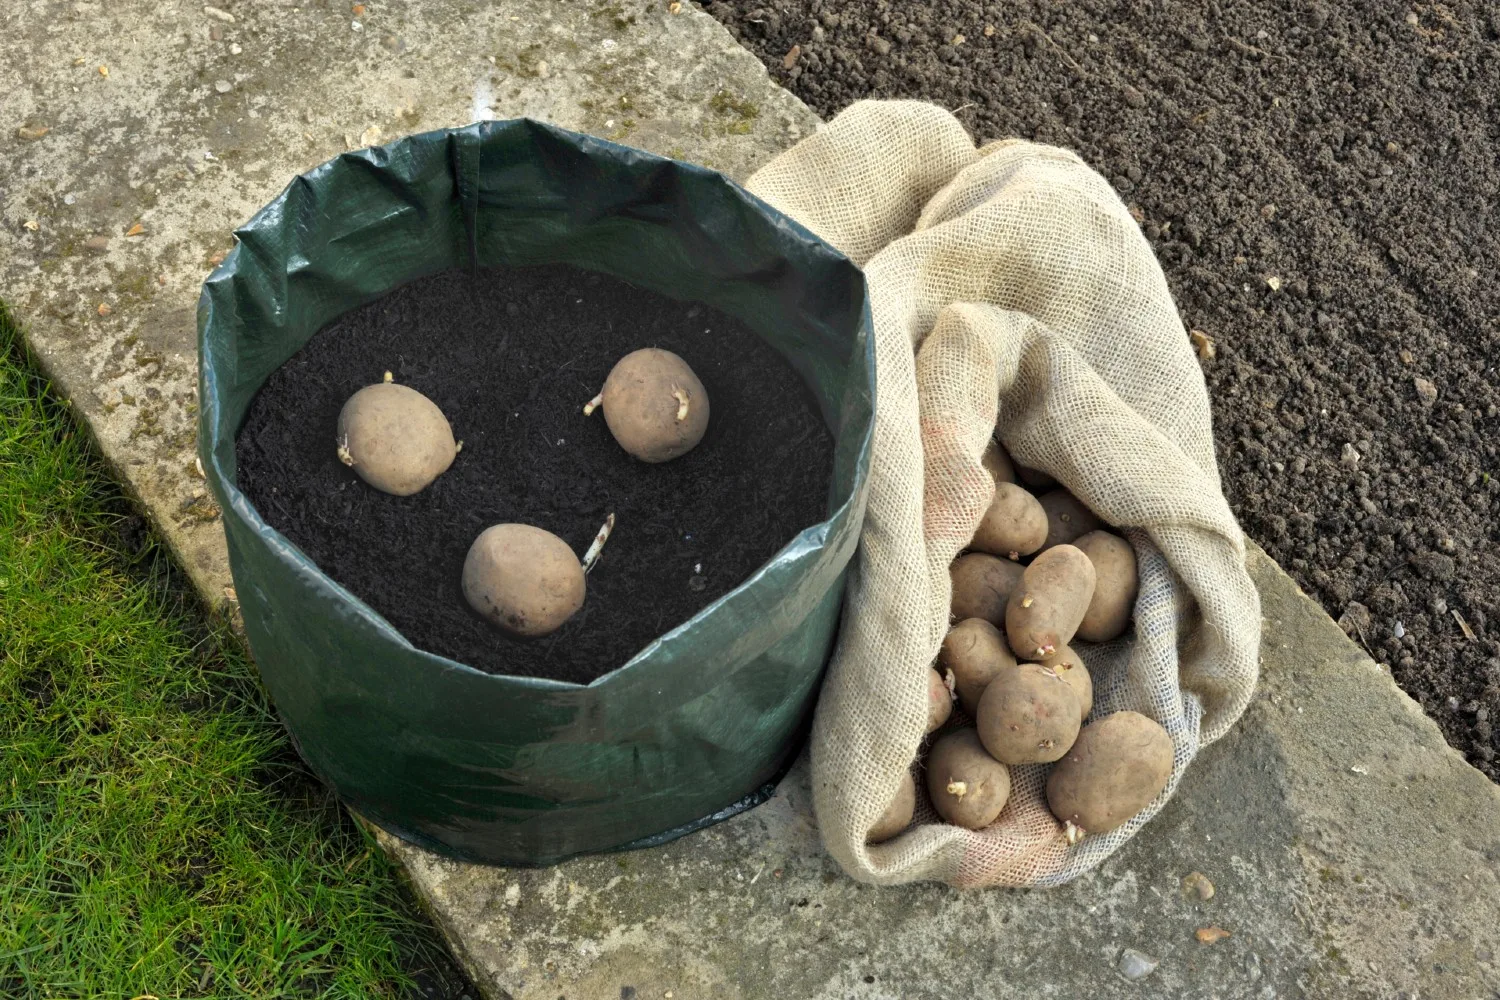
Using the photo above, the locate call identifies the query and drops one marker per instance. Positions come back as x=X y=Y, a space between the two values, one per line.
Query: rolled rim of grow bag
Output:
x=701 y=723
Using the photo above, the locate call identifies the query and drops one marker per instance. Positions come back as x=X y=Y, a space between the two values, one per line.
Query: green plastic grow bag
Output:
x=699 y=724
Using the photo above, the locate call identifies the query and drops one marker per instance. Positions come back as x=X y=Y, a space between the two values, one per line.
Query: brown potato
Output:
x=974 y=651
x=395 y=438
x=898 y=814
x=998 y=463
x=1069 y=666
x=1116 y=768
x=982 y=585
x=1015 y=524
x=1028 y=715
x=939 y=701
x=1067 y=518
x=523 y=579
x=1115 y=588
x=967 y=786
x=1035 y=478
x=655 y=406
x=1044 y=611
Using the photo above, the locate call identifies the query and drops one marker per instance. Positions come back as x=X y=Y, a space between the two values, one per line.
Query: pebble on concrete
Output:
x=1135 y=965
x=1197 y=884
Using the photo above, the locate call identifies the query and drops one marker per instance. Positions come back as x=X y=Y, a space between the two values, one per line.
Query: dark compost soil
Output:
x=1349 y=149
x=511 y=356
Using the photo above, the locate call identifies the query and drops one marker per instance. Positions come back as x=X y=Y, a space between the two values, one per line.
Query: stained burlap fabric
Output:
x=1010 y=287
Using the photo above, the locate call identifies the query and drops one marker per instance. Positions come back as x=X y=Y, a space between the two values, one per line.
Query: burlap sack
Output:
x=1010 y=286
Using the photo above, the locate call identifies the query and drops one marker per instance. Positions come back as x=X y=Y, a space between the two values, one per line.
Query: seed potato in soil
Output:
x=510 y=357
x=1349 y=151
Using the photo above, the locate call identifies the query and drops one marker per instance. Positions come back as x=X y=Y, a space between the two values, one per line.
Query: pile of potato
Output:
x=1040 y=578
x=522 y=578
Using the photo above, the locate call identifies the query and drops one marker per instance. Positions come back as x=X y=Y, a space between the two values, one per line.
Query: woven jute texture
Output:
x=1012 y=294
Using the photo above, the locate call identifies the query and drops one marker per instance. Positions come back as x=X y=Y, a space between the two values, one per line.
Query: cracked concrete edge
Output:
x=201 y=121
x=1353 y=849
x=1399 y=836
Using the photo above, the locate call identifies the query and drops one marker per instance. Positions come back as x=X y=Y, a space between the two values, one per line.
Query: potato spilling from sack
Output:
x=974 y=651
x=395 y=438
x=1067 y=518
x=1115 y=586
x=1013 y=670
x=1068 y=665
x=523 y=579
x=654 y=405
x=982 y=585
x=967 y=786
x=939 y=701
x=1028 y=715
x=1044 y=611
x=997 y=463
x=1015 y=524
x=1115 y=769
x=898 y=814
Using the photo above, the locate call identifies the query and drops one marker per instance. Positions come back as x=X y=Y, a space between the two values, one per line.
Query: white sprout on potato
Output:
x=597 y=547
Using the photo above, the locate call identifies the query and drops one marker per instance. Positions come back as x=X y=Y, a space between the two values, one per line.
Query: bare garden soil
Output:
x=1321 y=182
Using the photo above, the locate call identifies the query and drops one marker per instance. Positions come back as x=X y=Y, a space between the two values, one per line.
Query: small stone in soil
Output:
x=1204 y=344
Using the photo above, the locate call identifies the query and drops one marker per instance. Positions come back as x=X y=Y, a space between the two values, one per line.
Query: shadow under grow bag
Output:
x=700 y=723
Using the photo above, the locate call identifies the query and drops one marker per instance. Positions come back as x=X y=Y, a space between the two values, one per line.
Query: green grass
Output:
x=158 y=836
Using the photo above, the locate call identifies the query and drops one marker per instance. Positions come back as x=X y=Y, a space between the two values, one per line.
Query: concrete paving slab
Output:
x=1354 y=854
x=183 y=119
